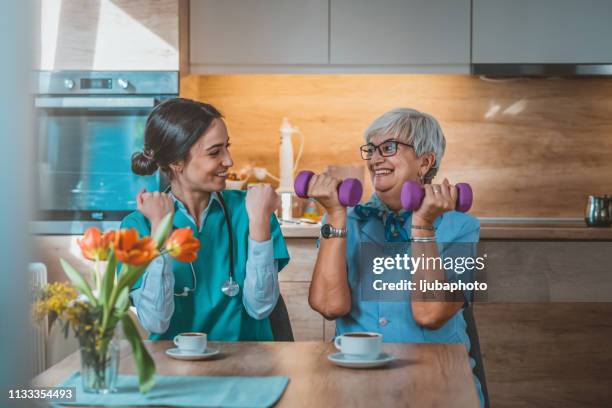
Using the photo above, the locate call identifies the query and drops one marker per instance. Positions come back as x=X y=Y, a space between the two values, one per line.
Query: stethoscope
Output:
x=230 y=286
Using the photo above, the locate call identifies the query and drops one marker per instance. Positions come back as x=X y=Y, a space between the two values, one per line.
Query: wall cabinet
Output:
x=258 y=32
x=400 y=32
x=329 y=36
x=543 y=31
x=403 y=36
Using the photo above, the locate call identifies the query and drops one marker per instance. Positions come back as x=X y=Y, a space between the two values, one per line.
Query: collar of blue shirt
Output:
x=179 y=206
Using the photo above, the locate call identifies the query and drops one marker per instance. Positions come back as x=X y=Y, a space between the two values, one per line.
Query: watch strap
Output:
x=329 y=231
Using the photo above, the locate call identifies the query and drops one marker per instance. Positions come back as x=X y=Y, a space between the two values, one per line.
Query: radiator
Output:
x=38 y=274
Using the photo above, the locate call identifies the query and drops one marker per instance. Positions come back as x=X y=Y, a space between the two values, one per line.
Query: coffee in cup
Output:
x=360 y=345
x=191 y=342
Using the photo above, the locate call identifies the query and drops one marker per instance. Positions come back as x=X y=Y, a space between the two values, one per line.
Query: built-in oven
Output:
x=89 y=125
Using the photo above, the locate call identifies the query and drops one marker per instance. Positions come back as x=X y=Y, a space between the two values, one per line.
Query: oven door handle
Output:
x=84 y=102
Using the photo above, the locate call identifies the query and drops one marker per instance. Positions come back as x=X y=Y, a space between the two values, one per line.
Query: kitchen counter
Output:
x=302 y=230
x=567 y=231
x=290 y=230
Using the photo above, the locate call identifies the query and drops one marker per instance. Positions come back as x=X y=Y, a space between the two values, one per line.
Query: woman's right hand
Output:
x=155 y=206
x=324 y=189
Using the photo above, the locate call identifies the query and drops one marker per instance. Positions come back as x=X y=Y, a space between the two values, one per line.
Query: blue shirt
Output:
x=394 y=320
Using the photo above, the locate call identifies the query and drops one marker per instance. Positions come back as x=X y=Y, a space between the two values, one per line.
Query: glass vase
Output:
x=99 y=365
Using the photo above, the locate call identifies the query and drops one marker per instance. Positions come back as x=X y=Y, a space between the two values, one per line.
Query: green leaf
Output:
x=108 y=280
x=144 y=363
x=79 y=283
x=95 y=278
x=123 y=300
x=113 y=321
x=163 y=230
x=129 y=275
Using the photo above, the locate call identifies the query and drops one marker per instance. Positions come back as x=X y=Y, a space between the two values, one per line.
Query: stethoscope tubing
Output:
x=230 y=232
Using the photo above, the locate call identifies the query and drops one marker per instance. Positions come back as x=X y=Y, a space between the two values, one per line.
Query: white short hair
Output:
x=411 y=126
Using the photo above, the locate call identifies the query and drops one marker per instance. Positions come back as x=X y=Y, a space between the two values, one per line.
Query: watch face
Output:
x=326 y=231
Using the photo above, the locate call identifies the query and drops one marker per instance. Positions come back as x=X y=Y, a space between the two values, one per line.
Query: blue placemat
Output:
x=187 y=391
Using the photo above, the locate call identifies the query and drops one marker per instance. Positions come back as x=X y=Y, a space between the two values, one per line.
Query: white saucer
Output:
x=341 y=360
x=184 y=355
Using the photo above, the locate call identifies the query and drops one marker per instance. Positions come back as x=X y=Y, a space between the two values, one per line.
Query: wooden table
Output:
x=422 y=375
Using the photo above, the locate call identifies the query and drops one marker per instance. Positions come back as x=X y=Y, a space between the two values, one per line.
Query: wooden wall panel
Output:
x=529 y=147
x=302 y=253
x=546 y=354
x=307 y=324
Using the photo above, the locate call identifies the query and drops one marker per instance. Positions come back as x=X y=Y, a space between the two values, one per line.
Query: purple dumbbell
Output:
x=349 y=190
x=413 y=194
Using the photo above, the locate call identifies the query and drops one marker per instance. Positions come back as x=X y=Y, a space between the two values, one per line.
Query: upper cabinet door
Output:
x=255 y=32
x=405 y=32
x=542 y=31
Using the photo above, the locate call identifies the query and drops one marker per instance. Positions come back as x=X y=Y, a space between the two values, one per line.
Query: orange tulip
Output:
x=131 y=250
x=95 y=246
x=182 y=245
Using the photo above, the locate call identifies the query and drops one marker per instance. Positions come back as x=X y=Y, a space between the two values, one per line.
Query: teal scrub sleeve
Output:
x=142 y=226
x=281 y=255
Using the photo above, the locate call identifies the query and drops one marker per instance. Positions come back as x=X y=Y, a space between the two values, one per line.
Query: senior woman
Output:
x=401 y=145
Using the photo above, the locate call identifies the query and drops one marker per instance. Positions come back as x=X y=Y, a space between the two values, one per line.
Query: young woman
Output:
x=232 y=287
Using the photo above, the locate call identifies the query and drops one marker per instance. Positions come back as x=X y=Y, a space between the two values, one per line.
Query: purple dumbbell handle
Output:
x=413 y=193
x=349 y=191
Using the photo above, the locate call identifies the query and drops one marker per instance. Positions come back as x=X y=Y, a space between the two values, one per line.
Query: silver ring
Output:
x=436 y=190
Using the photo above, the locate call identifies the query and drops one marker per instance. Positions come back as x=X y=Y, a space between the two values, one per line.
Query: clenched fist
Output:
x=439 y=198
x=155 y=206
x=324 y=189
x=261 y=202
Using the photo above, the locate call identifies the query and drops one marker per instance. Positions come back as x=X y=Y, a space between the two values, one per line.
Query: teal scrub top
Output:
x=207 y=309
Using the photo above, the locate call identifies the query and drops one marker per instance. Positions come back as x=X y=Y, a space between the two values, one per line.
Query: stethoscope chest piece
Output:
x=230 y=287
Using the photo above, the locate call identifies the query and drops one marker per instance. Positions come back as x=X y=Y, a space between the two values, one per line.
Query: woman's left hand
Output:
x=261 y=202
x=439 y=198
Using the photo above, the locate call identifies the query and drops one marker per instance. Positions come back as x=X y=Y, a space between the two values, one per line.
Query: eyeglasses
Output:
x=386 y=148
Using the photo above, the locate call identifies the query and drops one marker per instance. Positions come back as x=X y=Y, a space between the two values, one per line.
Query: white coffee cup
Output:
x=191 y=342
x=360 y=345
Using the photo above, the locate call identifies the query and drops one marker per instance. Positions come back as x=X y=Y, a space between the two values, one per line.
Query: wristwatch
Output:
x=328 y=231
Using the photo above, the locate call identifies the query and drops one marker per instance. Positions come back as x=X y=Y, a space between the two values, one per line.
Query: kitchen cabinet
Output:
x=543 y=31
x=400 y=32
x=114 y=35
x=258 y=32
x=332 y=36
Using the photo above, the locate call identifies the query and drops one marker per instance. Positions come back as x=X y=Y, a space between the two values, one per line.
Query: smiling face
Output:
x=208 y=161
x=388 y=174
